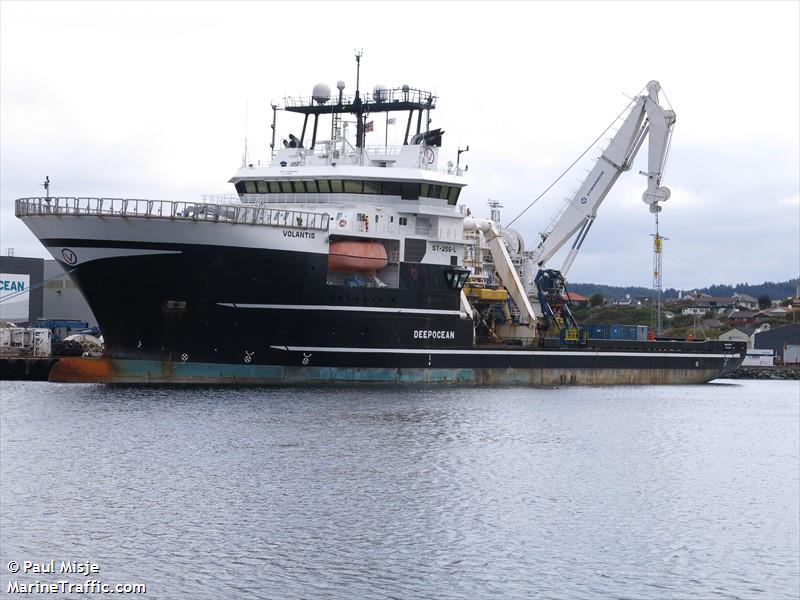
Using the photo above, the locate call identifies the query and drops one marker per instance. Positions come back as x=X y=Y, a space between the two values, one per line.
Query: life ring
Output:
x=429 y=155
x=343 y=223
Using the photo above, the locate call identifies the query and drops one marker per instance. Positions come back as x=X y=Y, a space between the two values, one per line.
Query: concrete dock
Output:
x=25 y=368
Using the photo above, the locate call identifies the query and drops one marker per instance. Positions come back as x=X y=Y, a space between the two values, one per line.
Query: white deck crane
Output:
x=506 y=272
x=646 y=118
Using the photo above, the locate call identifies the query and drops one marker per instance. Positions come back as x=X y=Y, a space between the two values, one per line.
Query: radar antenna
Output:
x=495 y=207
x=357 y=104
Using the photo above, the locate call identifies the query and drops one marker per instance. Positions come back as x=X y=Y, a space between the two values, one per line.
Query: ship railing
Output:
x=300 y=198
x=387 y=95
x=325 y=154
x=375 y=151
x=386 y=156
x=169 y=209
x=326 y=150
x=340 y=198
x=221 y=199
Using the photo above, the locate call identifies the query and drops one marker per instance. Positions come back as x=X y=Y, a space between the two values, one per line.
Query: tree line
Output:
x=775 y=290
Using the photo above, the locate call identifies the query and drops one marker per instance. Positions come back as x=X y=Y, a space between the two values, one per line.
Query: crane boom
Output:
x=506 y=271
x=646 y=118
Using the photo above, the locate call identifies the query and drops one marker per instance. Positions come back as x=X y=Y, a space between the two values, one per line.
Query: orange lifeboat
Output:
x=357 y=257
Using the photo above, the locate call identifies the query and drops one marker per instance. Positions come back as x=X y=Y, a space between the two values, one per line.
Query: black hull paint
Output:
x=180 y=317
x=162 y=306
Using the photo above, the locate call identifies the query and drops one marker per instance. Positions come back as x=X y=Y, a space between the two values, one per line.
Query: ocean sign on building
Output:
x=14 y=296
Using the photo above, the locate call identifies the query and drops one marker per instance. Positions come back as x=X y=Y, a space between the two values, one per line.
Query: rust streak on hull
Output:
x=105 y=370
x=82 y=370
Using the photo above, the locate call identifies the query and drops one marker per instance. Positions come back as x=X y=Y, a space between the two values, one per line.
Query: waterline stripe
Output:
x=501 y=352
x=415 y=311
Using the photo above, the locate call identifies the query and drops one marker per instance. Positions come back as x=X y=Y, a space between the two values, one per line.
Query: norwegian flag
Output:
x=368 y=127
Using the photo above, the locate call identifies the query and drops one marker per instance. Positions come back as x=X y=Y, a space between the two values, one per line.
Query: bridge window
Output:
x=392 y=188
x=353 y=187
x=410 y=191
x=404 y=189
x=372 y=187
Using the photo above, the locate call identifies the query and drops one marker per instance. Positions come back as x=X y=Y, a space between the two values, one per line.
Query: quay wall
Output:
x=783 y=372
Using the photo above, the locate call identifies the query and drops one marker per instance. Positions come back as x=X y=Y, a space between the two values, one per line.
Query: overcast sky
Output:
x=148 y=100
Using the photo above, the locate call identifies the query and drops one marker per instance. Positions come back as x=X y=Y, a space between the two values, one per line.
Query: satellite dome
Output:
x=405 y=87
x=340 y=85
x=380 y=93
x=321 y=93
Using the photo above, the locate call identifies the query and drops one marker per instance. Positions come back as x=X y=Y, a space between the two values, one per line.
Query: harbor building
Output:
x=20 y=301
x=780 y=340
x=24 y=297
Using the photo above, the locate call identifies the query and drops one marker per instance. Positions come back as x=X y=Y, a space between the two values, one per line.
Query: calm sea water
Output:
x=612 y=492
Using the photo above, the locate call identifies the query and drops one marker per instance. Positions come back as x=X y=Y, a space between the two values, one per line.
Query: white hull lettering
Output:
x=427 y=334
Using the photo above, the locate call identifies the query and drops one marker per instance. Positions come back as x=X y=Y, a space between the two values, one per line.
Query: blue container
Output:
x=598 y=331
x=628 y=332
x=622 y=332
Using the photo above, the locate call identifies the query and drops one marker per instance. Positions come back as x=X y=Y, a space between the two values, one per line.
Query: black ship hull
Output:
x=213 y=314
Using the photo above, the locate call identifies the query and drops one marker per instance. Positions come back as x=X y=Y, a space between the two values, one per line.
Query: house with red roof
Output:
x=576 y=297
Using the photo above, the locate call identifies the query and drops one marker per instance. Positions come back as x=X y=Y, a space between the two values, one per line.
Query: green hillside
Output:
x=775 y=290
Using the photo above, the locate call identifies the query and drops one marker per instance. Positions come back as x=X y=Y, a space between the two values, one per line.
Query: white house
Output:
x=746 y=302
x=739 y=334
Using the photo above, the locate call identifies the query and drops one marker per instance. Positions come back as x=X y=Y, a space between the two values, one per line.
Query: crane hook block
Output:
x=661 y=194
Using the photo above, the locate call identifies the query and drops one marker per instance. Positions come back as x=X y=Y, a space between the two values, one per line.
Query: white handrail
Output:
x=168 y=209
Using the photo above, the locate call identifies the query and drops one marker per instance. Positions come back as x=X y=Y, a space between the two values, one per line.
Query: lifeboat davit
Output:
x=357 y=257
